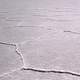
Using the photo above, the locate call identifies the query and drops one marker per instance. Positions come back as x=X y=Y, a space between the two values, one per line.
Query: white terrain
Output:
x=39 y=40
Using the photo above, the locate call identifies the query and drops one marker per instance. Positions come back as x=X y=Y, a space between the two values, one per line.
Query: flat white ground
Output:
x=40 y=34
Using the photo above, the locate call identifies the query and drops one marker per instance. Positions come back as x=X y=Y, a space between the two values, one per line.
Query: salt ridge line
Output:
x=42 y=71
x=32 y=69
x=16 y=50
x=52 y=71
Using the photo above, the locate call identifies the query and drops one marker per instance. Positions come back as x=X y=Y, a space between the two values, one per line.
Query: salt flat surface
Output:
x=40 y=34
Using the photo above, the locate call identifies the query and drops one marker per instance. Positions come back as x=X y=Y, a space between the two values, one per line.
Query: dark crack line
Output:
x=42 y=71
x=72 y=32
x=4 y=43
x=52 y=71
x=29 y=26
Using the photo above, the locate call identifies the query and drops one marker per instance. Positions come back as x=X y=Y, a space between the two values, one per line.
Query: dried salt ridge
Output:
x=9 y=58
x=30 y=74
x=27 y=66
x=60 y=72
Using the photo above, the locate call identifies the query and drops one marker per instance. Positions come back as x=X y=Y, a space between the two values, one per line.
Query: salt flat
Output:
x=40 y=34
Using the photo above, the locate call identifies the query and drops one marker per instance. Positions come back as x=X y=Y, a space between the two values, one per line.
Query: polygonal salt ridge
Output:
x=37 y=70
x=20 y=54
x=42 y=74
x=52 y=71
x=16 y=49
x=61 y=72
